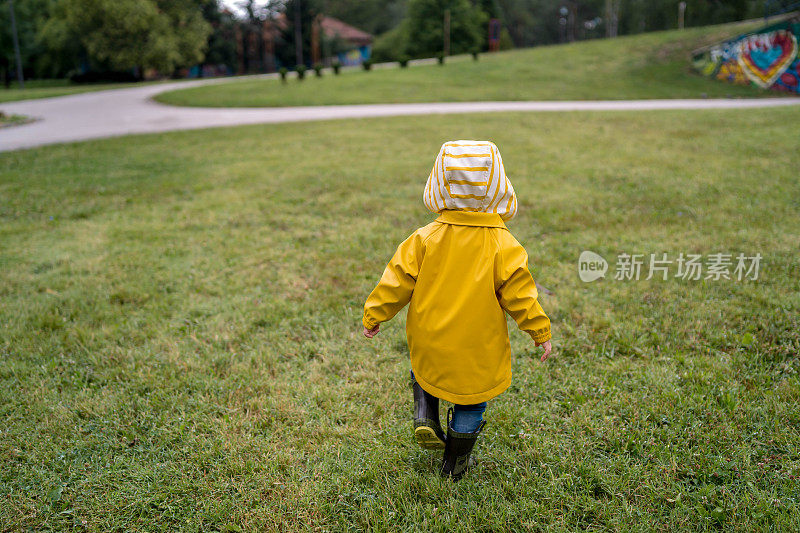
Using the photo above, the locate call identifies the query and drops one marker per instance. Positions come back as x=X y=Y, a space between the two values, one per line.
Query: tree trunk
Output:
x=298 y=34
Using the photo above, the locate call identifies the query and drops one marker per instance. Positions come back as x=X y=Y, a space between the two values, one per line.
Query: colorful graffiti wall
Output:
x=767 y=58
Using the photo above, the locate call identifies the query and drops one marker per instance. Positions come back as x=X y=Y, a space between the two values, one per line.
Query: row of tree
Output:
x=421 y=32
x=123 y=39
x=537 y=22
x=62 y=37
x=66 y=37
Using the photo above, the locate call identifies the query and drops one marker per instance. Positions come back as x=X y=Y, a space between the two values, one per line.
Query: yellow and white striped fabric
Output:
x=469 y=176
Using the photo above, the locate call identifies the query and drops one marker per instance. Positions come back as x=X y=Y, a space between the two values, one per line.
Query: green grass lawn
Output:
x=181 y=345
x=49 y=88
x=653 y=65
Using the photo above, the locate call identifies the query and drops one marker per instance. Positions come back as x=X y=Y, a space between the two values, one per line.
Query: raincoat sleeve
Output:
x=517 y=291
x=397 y=283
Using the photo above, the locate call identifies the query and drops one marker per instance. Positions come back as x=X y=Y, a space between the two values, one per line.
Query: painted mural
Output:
x=767 y=58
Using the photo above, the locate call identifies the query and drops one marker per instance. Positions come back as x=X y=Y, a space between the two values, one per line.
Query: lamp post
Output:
x=17 y=57
x=568 y=14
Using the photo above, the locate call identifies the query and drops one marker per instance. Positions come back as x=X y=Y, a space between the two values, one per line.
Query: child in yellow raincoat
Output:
x=460 y=273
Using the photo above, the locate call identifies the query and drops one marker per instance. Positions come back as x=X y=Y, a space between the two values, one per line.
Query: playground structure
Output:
x=766 y=57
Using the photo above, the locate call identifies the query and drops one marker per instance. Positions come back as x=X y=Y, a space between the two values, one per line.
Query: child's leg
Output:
x=427 y=430
x=468 y=418
x=462 y=434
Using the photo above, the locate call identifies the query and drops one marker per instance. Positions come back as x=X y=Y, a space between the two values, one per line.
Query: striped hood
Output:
x=469 y=176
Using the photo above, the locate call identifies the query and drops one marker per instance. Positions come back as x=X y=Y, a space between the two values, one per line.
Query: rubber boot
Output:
x=427 y=429
x=457 y=449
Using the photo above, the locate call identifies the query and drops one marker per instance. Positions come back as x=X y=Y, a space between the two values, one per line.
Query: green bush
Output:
x=475 y=54
x=403 y=60
x=283 y=72
x=367 y=64
x=301 y=71
x=391 y=43
x=440 y=59
x=336 y=67
x=505 y=40
x=318 y=69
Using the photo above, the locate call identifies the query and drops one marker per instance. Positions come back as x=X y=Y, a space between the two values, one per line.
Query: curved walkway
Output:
x=111 y=113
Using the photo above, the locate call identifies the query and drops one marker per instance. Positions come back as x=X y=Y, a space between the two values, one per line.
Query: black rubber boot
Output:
x=427 y=429
x=457 y=449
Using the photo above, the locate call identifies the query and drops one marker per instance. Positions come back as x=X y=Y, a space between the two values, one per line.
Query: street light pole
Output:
x=562 y=23
x=18 y=59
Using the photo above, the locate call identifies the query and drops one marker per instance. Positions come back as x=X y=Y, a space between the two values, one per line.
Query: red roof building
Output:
x=332 y=28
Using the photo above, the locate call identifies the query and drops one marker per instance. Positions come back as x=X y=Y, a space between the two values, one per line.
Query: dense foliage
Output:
x=119 y=34
x=28 y=17
x=536 y=22
x=63 y=37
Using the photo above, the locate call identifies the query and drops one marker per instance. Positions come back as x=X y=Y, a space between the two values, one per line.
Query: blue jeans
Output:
x=466 y=418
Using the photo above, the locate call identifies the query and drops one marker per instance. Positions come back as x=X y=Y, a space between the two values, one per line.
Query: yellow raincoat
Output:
x=460 y=273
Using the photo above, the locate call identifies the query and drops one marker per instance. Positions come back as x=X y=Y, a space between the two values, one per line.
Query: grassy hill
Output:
x=181 y=345
x=652 y=65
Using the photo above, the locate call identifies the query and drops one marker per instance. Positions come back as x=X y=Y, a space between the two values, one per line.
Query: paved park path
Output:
x=115 y=112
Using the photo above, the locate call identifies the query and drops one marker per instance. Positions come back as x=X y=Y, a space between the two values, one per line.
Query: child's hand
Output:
x=545 y=345
x=369 y=333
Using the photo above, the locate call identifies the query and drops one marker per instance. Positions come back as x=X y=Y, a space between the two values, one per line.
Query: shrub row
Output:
x=366 y=65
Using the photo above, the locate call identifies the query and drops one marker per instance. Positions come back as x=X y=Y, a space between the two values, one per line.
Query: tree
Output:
x=530 y=22
x=286 y=50
x=123 y=34
x=221 y=48
x=425 y=26
x=250 y=27
x=30 y=14
x=190 y=30
x=392 y=45
x=490 y=7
